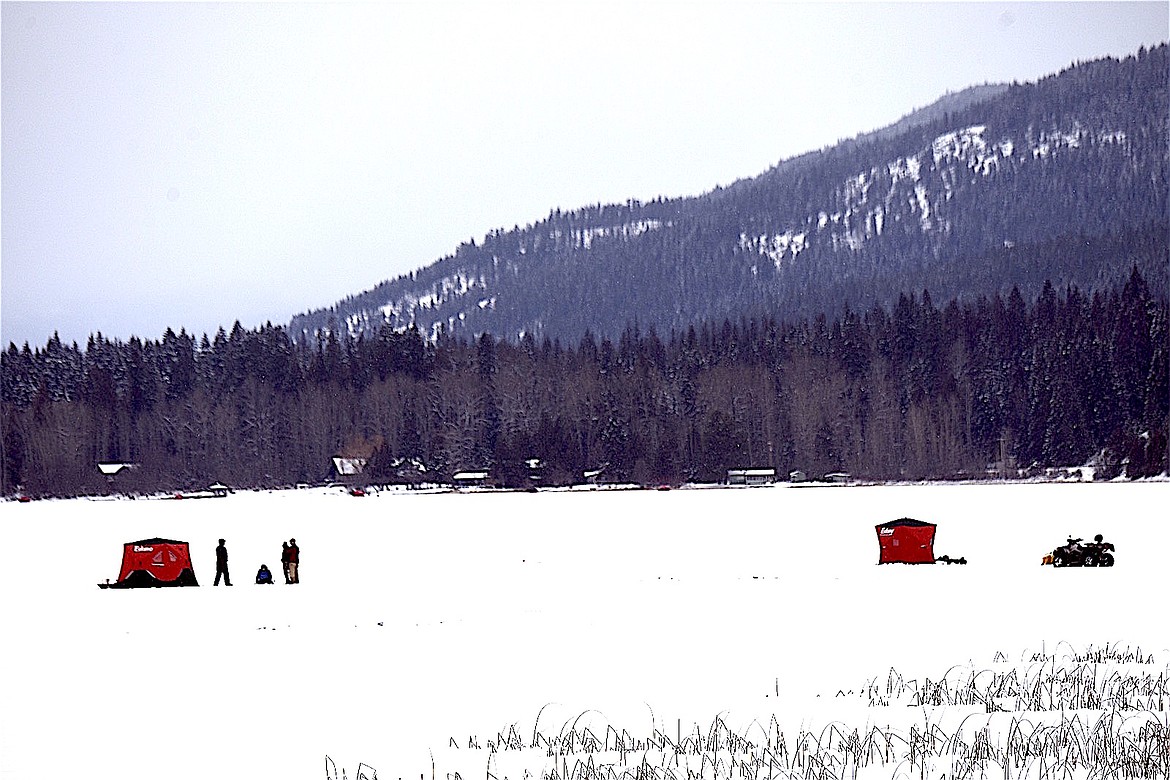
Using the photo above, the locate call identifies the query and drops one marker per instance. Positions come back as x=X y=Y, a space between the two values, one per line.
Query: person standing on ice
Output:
x=221 y=568
x=294 y=561
x=284 y=562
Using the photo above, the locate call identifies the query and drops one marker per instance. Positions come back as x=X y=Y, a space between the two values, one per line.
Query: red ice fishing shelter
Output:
x=155 y=563
x=906 y=541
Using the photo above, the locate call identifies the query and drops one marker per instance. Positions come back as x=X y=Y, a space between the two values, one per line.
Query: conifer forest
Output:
x=964 y=389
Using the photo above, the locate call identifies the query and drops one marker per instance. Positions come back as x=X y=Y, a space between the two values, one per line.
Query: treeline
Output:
x=909 y=392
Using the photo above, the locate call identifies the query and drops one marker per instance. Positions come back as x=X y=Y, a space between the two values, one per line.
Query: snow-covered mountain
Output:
x=1064 y=179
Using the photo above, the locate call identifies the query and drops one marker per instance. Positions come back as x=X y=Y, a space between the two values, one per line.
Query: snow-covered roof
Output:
x=111 y=469
x=349 y=466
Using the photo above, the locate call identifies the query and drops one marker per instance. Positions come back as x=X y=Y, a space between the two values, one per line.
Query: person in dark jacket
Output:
x=294 y=562
x=221 y=566
x=263 y=576
x=284 y=562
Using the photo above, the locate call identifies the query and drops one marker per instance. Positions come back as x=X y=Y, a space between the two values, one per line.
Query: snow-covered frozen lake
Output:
x=423 y=620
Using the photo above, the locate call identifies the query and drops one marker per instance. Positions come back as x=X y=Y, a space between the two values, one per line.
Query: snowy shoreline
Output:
x=432 y=489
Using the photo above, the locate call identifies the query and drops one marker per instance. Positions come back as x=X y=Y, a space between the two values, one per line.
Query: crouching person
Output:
x=263 y=576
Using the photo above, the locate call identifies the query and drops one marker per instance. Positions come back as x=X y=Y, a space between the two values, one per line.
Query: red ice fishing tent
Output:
x=906 y=541
x=154 y=563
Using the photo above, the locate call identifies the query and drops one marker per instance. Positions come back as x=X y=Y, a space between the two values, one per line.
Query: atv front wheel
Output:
x=1058 y=560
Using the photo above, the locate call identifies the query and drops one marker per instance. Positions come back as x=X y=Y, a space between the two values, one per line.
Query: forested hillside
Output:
x=991 y=188
x=911 y=391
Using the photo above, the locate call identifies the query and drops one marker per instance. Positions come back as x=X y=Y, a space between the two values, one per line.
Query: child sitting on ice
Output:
x=263 y=577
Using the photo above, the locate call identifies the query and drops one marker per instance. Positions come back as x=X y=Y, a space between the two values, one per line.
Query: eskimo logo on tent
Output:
x=142 y=548
x=887 y=532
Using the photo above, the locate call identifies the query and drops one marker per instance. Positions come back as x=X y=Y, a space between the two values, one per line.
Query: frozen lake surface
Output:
x=429 y=621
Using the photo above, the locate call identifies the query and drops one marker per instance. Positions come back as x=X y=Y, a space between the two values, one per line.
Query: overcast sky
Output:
x=188 y=165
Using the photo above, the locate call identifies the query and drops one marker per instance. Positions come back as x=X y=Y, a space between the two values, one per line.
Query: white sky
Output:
x=187 y=165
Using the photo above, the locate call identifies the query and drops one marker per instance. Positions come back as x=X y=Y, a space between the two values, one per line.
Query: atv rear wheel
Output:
x=1106 y=560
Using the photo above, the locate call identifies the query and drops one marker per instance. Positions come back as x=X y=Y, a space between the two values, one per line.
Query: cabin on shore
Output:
x=112 y=469
x=349 y=470
x=752 y=476
x=468 y=479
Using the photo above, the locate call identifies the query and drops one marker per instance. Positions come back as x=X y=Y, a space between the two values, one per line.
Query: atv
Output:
x=1095 y=553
